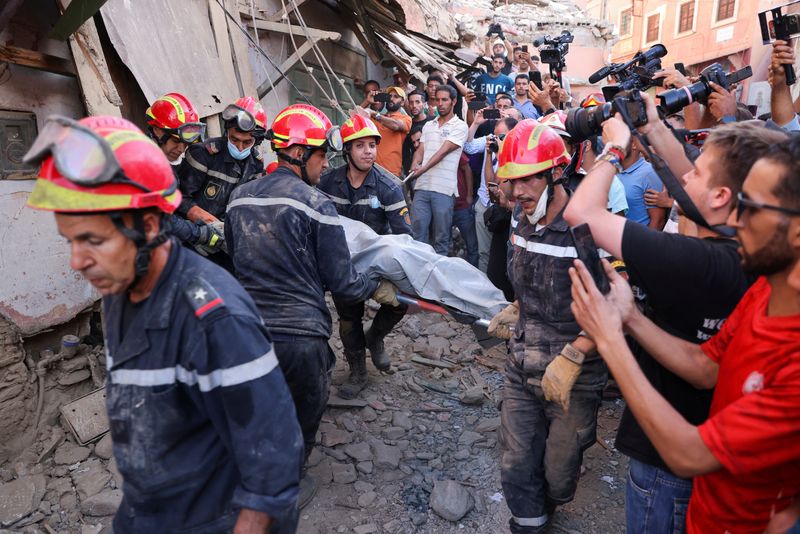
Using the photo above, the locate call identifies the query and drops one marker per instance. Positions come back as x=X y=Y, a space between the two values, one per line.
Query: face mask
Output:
x=238 y=154
x=541 y=209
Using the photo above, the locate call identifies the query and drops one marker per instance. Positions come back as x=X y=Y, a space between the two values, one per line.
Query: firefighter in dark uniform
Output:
x=362 y=192
x=173 y=123
x=288 y=248
x=202 y=421
x=542 y=439
x=213 y=169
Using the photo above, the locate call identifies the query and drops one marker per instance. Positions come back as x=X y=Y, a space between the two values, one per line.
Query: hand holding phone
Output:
x=589 y=255
x=491 y=114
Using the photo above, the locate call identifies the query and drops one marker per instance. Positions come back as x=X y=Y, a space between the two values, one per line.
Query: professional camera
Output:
x=583 y=123
x=783 y=26
x=493 y=142
x=675 y=100
x=556 y=49
x=635 y=75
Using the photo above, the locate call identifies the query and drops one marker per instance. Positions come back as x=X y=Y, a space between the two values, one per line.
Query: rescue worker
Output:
x=361 y=191
x=173 y=123
x=213 y=168
x=288 y=247
x=201 y=419
x=542 y=442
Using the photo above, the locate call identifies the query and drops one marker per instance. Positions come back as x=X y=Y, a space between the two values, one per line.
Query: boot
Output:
x=358 y=374
x=377 y=351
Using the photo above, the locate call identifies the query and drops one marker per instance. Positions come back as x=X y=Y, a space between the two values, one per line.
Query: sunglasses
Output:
x=81 y=156
x=744 y=203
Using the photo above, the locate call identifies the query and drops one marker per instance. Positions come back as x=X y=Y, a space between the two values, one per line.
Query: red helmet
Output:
x=176 y=115
x=594 y=99
x=303 y=124
x=100 y=164
x=271 y=166
x=247 y=115
x=556 y=120
x=359 y=127
x=529 y=149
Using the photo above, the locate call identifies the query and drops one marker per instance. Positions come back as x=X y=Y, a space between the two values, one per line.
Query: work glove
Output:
x=211 y=239
x=386 y=294
x=561 y=374
x=502 y=324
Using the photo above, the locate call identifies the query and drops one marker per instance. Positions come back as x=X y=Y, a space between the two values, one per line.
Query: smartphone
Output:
x=536 y=79
x=588 y=254
x=680 y=68
x=491 y=114
x=475 y=105
x=381 y=97
x=524 y=48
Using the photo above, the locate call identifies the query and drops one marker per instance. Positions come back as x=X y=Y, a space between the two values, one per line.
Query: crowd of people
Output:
x=214 y=267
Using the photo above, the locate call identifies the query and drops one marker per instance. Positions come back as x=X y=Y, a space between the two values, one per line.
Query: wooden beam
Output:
x=291 y=5
x=296 y=30
x=37 y=60
x=266 y=87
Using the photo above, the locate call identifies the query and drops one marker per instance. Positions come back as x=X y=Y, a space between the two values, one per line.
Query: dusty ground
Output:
x=376 y=464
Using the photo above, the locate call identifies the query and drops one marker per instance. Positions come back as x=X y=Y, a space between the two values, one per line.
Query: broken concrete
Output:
x=450 y=500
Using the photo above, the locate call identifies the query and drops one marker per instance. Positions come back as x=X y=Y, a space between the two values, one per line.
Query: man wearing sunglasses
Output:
x=195 y=398
x=691 y=284
x=288 y=248
x=212 y=169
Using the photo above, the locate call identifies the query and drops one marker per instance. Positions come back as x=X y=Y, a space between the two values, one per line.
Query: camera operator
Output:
x=691 y=284
x=744 y=458
x=496 y=44
x=781 y=106
x=487 y=145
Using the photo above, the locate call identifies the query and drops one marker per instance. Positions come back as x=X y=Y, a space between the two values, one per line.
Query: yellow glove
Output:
x=386 y=294
x=560 y=376
x=501 y=324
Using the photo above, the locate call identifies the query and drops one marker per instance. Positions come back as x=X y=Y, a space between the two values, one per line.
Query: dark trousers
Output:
x=497 y=270
x=351 y=329
x=542 y=447
x=307 y=364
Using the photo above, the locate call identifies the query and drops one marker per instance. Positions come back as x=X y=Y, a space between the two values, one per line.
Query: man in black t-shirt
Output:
x=416 y=108
x=691 y=285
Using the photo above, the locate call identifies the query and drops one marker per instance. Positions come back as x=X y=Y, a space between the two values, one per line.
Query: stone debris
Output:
x=104 y=503
x=450 y=500
x=69 y=453
x=19 y=498
x=104 y=448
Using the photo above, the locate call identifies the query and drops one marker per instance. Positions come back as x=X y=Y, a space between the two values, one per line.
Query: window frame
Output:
x=660 y=11
x=693 y=29
x=715 y=23
x=630 y=24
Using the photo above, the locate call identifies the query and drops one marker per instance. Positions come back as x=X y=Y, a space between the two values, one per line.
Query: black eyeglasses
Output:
x=743 y=203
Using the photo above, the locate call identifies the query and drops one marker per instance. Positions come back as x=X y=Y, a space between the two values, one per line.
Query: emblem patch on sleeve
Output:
x=405 y=215
x=203 y=297
x=212 y=189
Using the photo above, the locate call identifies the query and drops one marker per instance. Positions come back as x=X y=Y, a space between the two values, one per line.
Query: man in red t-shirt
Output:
x=746 y=457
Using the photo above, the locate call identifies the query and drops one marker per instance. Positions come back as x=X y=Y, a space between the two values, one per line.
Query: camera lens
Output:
x=583 y=123
x=674 y=100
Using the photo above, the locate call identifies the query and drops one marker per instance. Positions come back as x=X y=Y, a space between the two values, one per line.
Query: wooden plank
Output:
x=37 y=60
x=99 y=92
x=219 y=24
x=239 y=52
x=432 y=363
x=291 y=28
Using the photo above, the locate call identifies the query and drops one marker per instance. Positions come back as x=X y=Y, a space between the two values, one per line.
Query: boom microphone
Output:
x=600 y=74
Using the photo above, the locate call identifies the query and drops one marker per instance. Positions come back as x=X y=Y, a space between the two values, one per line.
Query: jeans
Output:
x=432 y=213
x=656 y=501
x=484 y=236
x=464 y=220
x=542 y=448
x=307 y=363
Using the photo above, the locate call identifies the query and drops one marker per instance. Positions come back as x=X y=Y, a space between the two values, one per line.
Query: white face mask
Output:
x=541 y=208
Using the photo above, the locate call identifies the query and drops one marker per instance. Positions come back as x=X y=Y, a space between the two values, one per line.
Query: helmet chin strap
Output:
x=307 y=151
x=144 y=248
x=349 y=160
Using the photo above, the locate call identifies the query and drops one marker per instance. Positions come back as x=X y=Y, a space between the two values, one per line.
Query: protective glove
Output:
x=501 y=324
x=211 y=239
x=386 y=294
x=560 y=375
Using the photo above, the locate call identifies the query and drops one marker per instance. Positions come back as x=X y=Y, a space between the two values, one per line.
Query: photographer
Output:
x=393 y=126
x=691 y=284
x=744 y=458
x=496 y=44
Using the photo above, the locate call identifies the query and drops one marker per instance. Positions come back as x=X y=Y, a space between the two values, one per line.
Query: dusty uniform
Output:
x=288 y=248
x=378 y=203
x=190 y=373
x=209 y=174
x=543 y=446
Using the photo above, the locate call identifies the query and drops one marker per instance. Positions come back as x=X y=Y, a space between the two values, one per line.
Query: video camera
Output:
x=675 y=100
x=555 y=51
x=635 y=75
x=784 y=27
x=583 y=123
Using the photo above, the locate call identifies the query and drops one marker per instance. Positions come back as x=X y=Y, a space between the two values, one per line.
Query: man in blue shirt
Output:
x=638 y=176
x=521 y=100
x=494 y=82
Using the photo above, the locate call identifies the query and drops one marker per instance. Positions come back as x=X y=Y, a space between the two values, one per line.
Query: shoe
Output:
x=358 y=374
x=308 y=488
x=377 y=352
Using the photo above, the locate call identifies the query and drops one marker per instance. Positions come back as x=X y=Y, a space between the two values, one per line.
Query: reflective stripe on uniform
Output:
x=530 y=521
x=214 y=174
x=366 y=202
x=308 y=210
x=231 y=376
x=550 y=250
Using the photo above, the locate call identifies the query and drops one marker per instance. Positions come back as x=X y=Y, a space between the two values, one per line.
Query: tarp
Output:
x=415 y=268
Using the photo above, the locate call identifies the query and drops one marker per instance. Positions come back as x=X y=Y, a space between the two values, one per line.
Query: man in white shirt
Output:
x=435 y=167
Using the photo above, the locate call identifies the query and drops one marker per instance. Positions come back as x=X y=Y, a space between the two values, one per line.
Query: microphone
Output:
x=600 y=75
